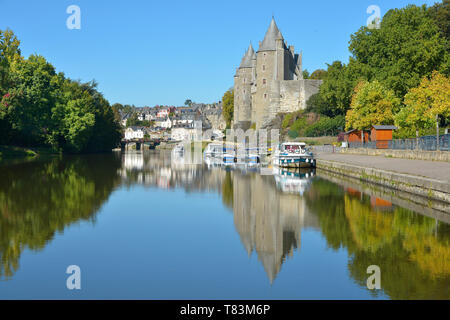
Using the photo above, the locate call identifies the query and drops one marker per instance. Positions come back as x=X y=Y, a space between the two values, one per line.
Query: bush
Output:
x=326 y=126
x=292 y=134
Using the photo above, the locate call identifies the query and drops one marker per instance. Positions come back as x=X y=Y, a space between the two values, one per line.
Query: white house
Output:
x=134 y=133
x=165 y=123
x=182 y=134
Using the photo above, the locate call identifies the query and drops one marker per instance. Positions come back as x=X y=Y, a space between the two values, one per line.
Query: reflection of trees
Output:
x=412 y=250
x=38 y=199
x=227 y=190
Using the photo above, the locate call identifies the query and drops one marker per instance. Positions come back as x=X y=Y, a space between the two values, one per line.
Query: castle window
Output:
x=264 y=67
x=264 y=81
x=265 y=95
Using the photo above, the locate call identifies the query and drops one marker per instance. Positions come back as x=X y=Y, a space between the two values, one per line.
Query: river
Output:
x=144 y=225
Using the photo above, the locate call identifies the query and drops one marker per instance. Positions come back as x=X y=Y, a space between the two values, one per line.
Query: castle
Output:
x=270 y=81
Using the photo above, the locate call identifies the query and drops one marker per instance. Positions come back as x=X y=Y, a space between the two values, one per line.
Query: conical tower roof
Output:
x=248 y=56
x=272 y=34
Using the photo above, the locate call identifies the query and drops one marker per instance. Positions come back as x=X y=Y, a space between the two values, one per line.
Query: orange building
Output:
x=355 y=136
x=382 y=135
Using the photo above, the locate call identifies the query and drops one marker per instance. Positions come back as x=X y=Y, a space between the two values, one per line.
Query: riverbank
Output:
x=425 y=178
x=10 y=154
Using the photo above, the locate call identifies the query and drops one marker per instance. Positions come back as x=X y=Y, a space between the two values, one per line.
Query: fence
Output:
x=426 y=143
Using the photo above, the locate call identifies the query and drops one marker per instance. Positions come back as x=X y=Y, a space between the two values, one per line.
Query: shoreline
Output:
x=413 y=184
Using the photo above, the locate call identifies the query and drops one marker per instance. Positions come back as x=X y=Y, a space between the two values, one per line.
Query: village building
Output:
x=134 y=132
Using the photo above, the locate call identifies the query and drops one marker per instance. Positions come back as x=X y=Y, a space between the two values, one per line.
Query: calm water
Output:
x=143 y=225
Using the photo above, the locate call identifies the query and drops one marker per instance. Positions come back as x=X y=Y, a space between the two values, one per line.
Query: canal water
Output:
x=144 y=225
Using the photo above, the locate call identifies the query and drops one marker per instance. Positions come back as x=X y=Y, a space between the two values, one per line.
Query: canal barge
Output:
x=293 y=155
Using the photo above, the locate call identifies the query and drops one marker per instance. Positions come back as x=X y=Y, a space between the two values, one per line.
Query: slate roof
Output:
x=247 y=58
x=272 y=34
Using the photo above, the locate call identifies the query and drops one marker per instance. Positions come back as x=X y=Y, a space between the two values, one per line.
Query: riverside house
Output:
x=132 y=133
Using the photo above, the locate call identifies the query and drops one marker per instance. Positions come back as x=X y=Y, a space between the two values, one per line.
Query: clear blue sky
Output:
x=163 y=52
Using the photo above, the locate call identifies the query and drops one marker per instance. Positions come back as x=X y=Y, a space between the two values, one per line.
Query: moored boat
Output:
x=293 y=155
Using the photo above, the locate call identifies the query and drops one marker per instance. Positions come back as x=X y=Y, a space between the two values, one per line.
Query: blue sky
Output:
x=163 y=52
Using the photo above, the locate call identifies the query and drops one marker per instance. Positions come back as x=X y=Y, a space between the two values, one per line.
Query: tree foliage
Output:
x=372 y=104
x=228 y=107
x=422 y=104
x=42 y=108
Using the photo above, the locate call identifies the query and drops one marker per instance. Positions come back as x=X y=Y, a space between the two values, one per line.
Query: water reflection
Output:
x=38 y=199
x=270 y=212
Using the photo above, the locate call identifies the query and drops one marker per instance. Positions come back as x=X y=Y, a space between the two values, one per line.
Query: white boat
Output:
x=293 y=155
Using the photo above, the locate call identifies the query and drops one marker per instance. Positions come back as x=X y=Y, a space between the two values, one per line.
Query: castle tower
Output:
x=242 y=89
x=270 y=82
x=269 y=69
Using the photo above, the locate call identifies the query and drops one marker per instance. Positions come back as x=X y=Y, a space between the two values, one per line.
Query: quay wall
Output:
x=425 y=187
x=403 y=154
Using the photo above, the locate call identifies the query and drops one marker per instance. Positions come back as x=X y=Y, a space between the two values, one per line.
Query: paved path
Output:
x=430 y=169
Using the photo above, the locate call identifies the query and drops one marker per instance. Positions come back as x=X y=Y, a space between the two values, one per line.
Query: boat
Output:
x=293 y=155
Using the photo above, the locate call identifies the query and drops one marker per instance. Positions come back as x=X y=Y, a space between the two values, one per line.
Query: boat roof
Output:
x=294 y=143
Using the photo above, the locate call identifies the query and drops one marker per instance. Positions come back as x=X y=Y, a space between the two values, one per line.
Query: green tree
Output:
x=9 y=49
x=335 y=93
x=305 y=74
x=431 y=99
x=407 y=47
x=188 y=102
x=318 y=74
x=372 y=104
x=228 y=107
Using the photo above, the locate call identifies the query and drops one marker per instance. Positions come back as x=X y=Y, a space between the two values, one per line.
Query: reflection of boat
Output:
x=293 y=155
x=216 y=153
x=178 y=149
x=293 y=181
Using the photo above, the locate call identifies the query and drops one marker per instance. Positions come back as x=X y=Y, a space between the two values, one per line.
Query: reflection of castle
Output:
x=268 y=220
x=269 y=211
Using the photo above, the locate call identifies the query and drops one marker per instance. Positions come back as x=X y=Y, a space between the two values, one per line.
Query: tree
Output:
x=319 y=74
x=305 y=74
x=440 y=13
x=335 y=93
x=188 y=102
x=407 y=47
x=228 y=106
x=372 y=104
x=9 y=49
x=430 y=100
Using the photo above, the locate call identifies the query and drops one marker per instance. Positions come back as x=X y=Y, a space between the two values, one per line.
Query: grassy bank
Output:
x=12 y=152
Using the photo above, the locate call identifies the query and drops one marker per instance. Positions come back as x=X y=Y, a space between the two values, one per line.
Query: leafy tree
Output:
x=319 y=74
x=305 y=74
x=372 y=104
x=429 y=100
x=9 y=49
x=188 y=102
x=335 y=93
x=407 y=47
x=28 y=103
x=440 y=13
x=228 y=106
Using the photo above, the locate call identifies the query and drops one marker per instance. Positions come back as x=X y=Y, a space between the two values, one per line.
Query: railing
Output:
x=426 y=143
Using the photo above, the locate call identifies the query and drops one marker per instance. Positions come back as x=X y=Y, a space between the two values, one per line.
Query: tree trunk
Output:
x=437 y=132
